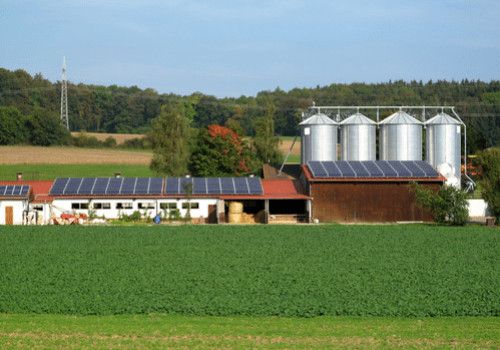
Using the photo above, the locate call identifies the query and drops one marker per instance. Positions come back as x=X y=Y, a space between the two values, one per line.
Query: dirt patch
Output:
x=70 y=155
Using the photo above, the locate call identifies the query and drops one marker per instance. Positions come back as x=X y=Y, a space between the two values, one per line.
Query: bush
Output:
x=134 y=217
x=137 y=143
x=448 y=205
x=489 y=161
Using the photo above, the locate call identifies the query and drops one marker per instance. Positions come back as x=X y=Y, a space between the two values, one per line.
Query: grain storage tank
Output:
x=318 y=138
x=400 y=137
x=357 y=137
x=443 y=145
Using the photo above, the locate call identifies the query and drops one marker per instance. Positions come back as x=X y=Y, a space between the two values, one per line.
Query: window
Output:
x=146 y=205
x=124 y=205
x=194 y=205
x=169 y=205
x=100 y=205
x=79 y=205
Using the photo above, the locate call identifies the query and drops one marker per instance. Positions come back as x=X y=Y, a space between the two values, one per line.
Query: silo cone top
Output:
x=400 y=117
x=357 y=119
x=318 y=119
x=442 y=118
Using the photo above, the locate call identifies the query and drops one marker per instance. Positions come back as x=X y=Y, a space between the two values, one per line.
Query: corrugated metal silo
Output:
x=318 y=138
x=358 y=138
x=443 y=143
x=400 y=137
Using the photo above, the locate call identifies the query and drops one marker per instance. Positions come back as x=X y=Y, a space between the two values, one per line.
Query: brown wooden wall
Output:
x=366 y=202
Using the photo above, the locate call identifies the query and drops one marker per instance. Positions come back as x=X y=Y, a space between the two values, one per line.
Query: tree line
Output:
x=113 y=109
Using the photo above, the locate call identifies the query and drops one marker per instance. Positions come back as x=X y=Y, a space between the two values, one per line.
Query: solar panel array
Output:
x=372 y=169
x=14 y=190
x=107 y=186
x=156 y=186
x=213 y=185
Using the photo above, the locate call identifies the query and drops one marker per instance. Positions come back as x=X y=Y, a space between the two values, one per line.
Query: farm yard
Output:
x=356 y=286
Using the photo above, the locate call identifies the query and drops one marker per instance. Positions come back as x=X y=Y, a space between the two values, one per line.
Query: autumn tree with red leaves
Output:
x=220 y=151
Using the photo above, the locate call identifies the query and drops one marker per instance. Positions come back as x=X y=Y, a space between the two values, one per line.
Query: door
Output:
x=9 y=215
x=212 y=214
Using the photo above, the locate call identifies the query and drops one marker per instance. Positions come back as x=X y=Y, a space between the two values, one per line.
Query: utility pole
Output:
x=64 y=96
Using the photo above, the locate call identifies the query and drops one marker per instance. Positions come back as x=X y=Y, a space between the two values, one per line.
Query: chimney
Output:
x=19 y=176
x=118 y=175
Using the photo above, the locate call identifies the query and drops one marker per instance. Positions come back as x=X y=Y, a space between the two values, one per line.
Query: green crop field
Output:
x=52 y=171
x=393 y=270
x=243 y=332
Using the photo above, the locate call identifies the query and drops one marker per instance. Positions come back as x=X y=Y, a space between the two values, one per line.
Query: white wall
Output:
x=60 y=206
x=18 y=207
x=478 y=209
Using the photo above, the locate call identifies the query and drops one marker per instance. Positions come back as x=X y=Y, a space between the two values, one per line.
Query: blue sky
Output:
x=231 y=48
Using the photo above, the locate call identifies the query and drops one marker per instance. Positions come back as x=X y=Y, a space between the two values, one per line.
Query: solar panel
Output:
x=14 y=190
x=373 y=169
x=227 y=185
x=241 y=185
x=254 y=185
x=58 y=186
x=387 y=169
x=128 y=185
x=213 y=185
x=414 y=169
x=155 y=186
x=400 y=168
x=317 y=169
x=172 y=185
x=100 y=186
x=114 y=185
x=359 y=169
x=142 y=185
x=186 y=185
x=345 y=168
x=73 y=186
x=199 y=185
x=331 y=169
x=87 y=185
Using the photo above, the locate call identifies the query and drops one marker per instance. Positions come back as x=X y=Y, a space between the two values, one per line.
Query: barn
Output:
x=367 y=191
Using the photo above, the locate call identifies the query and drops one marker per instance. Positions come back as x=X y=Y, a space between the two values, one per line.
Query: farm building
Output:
x=207 y=200
x=368 y=191
x=14 y=201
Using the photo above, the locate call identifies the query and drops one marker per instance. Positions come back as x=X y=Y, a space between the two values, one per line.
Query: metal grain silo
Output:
x=400 y=137
x=318 y=138
x=357 y=136
x=443 y=143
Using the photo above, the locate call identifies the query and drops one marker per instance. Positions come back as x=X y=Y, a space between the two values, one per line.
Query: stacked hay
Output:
x=235 y=212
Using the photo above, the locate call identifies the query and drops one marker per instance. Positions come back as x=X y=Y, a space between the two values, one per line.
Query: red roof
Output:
x=39 y=189
x=283 y=189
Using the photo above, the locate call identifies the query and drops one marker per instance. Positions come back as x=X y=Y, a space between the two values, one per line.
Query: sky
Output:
x=234 y=47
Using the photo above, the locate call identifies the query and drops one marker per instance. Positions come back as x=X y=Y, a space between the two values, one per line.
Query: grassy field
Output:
x=392 y=270
x=181 y=332
x=52 y=171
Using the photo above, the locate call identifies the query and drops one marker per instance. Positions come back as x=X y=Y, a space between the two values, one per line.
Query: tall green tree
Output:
x=489 y=161
x=12 y=128
x=265 y=141
x=45 y=129
x=170 y=137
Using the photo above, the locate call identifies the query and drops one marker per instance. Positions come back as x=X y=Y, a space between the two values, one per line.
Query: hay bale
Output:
x=234 y=218
x=235 y=207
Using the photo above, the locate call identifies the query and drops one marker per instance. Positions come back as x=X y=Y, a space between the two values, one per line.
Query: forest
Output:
x=116 y=109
